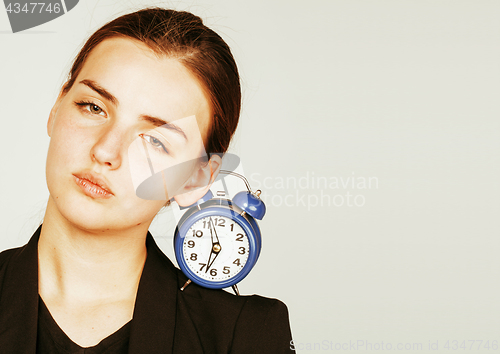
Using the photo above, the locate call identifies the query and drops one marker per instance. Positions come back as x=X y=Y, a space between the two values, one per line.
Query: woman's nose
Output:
x=107 y=150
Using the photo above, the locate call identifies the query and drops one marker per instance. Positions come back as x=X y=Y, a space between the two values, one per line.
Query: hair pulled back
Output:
x=183 y=36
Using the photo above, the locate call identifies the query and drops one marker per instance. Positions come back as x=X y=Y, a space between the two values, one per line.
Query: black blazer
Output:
x=165 y=320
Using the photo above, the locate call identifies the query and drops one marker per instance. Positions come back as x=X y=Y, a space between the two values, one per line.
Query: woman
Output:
x=92 y=279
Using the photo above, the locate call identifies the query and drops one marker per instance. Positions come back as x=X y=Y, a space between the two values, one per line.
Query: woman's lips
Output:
x=92 y=186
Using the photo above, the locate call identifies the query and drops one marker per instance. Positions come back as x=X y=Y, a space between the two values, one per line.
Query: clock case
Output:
x=243 y=209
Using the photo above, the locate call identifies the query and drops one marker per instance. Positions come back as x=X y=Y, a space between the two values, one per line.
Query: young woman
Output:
x=92 y=279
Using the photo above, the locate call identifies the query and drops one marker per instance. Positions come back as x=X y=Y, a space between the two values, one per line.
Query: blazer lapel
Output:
x=19 y=300
x=153 y=324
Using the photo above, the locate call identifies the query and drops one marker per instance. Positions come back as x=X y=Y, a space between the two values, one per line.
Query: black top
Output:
x=51 y=339
x=165 y=319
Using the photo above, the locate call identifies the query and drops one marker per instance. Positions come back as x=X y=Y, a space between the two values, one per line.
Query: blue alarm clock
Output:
x=217 y=241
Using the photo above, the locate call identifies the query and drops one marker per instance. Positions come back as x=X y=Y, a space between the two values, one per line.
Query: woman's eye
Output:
x=156 y=143
x=91 y=108
x=94 y=109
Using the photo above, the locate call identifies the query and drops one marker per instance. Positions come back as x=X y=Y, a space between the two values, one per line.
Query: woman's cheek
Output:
x=69 y=141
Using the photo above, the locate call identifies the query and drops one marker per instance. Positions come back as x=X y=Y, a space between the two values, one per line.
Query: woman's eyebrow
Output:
x=100 y=90
x=158 y=122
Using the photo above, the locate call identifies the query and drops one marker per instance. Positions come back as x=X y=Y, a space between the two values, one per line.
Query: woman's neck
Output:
x=77 y=265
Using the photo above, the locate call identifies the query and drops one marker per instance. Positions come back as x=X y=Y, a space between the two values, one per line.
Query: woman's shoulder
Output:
x=256 y=305
x=224 y=322
x=7 y=255
x=241 y=324
x=21 y=254
x=196 y=292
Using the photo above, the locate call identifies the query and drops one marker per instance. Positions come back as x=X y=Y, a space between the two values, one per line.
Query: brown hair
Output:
x=182 y=35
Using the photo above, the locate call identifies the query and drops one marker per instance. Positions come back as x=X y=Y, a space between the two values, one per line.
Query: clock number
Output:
x=194 y=256
x=197 y=233
x=217 y=222
x=239 y=237
x=241 y=250
x=202 y=266
x=232 y=227
x=191 y=243
x=220 y=222
x=213 y=272
x=237 y=261
x=226 y=270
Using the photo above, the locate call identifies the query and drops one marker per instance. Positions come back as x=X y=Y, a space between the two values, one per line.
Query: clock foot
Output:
x=235 y=289
x=186 y=284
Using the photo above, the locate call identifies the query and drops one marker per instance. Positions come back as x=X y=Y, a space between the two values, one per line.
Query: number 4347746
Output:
x=33 y=7
x=471 y=344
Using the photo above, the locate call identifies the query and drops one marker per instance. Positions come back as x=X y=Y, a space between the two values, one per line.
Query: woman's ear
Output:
x=53 y=111
x=200 y=182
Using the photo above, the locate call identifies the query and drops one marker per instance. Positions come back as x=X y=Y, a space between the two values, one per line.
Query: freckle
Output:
x=139 y=224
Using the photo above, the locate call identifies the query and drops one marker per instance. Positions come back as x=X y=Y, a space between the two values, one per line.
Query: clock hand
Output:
x=213 y=260
x=211 y=251
x=215 y=230
x=208 y=263
x=216 y=247
x=211 y=230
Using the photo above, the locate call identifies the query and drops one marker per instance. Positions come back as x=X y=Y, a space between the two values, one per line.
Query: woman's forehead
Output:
x=145 y=83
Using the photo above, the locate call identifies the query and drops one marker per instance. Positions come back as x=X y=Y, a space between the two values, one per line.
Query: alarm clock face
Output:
x=216 y=248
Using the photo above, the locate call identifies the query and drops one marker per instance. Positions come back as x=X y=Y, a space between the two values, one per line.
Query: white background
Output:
x=405 y=92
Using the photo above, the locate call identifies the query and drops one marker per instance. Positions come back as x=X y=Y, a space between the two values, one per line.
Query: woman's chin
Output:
x=84 y=213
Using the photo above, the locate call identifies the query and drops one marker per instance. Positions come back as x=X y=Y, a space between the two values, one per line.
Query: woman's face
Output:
x=129 y=114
